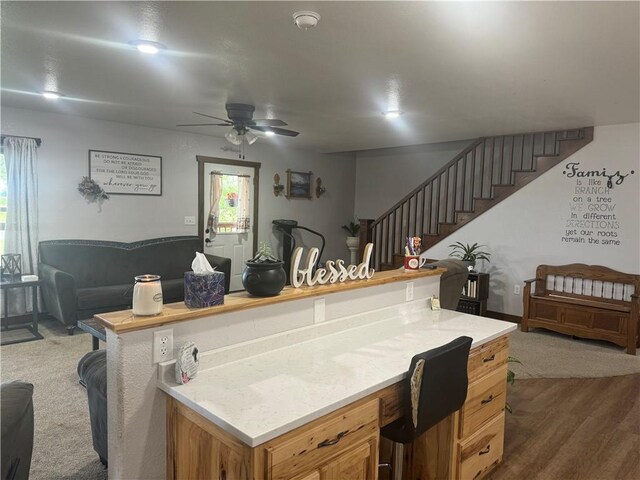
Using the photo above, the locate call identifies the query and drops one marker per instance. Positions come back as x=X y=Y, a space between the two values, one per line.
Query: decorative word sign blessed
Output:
x=335 y=271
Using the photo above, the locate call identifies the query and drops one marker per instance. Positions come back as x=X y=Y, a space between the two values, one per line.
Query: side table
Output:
x=97 y=331
x=7 y=284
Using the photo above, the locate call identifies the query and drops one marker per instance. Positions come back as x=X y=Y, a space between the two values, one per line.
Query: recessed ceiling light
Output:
x=269 y=133
x=51 y=95
x=391 y=114
x=148 y=47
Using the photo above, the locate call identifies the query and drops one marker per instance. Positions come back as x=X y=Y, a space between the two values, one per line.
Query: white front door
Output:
x=229 y=241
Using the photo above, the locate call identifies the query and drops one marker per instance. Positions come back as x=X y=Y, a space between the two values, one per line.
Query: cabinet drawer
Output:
x=478 y=454
x=488 y=357
x=485 y=399
x=311 y=446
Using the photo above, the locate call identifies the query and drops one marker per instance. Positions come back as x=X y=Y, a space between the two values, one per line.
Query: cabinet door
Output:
x=358 y=463
x=304 y=450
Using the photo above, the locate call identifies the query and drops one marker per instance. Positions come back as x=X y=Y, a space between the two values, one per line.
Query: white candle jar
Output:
x=147 y=295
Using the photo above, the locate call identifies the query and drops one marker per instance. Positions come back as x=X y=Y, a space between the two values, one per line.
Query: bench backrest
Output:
x=593 y=282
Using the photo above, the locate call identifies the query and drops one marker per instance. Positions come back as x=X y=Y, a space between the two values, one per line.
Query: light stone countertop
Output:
x=265 y=395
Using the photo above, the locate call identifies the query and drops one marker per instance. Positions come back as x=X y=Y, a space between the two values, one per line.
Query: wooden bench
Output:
x=588 y=301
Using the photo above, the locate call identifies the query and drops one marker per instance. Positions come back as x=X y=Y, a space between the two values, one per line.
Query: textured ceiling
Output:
x=457 y=70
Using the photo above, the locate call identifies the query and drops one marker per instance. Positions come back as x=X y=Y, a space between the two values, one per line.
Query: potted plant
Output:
x=232 y=198
x=264 y=275
x=469 y=254
x=353 y=240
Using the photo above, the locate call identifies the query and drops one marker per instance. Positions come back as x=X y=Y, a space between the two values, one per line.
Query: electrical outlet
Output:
x=409 y=291
x=163 y=345
x=189 y=220
x=318 y=310
x=516 y=289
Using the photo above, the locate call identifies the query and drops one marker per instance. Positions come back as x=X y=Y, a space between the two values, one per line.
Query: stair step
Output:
x=464 y=217
x=565 y=144
x=446 y=228
x=502 y=191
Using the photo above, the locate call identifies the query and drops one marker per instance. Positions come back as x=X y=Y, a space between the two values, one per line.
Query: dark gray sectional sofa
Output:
x=83 y=277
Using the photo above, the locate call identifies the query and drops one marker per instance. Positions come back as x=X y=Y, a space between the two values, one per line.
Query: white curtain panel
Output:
x=243 y=222
x=215 y=192
x=21 y=234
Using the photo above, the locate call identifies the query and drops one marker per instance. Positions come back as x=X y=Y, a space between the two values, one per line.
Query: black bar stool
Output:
x=435 y=387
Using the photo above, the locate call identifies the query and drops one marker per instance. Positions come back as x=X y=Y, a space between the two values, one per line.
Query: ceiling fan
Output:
x=241 y=122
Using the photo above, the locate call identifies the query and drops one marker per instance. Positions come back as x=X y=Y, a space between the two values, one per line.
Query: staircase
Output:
x=482 y=175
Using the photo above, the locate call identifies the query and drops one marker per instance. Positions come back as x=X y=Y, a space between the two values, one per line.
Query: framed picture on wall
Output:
x=126 y=173
x=299 y=184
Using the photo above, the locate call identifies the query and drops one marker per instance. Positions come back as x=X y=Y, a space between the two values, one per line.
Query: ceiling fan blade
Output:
x=203 y=124
x=276 y=130
x=269 y=122
x=216 y=118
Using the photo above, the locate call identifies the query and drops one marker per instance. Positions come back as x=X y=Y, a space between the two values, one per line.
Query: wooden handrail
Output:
x=475 y=173
x=470 y=147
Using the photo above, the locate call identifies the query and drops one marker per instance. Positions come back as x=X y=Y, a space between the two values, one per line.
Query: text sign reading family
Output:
x=126 y=173
x=593 y=217
x=335 y=271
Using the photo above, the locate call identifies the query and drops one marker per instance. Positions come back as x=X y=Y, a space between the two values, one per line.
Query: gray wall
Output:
x=527 y=229
x=385 y=175
x=63 y=160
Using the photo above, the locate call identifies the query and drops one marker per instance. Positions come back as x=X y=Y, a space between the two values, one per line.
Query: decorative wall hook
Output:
x=278 y=188
x=320 y=190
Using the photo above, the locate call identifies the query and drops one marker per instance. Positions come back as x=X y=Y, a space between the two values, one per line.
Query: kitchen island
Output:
x=324 y=358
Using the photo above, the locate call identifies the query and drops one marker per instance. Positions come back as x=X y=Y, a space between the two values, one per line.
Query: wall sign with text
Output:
x=593 y=217
x=126 y=173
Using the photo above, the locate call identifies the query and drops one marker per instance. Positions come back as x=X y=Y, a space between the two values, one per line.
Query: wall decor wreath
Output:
x=92 y=192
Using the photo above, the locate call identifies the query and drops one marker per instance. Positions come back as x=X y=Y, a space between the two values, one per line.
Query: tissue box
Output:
x=203 y=290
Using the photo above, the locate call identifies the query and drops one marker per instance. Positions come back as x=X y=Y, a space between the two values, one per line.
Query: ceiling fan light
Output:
x=392 y=114
x=250 y=137
x=233 y=137
x=51 y=95
x=148 y=47
x=269 y=133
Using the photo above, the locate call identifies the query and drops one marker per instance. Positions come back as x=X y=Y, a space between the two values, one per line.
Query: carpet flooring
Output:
x=547 y=354
x=63 y=446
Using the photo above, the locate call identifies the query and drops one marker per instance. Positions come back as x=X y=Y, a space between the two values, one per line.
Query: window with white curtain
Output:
x=234 y=204
x=3 y=201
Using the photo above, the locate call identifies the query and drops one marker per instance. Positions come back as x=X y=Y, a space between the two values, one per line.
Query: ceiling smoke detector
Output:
x=306 y=19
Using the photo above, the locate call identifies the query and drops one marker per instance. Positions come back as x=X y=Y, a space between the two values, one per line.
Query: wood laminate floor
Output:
x=573 y=429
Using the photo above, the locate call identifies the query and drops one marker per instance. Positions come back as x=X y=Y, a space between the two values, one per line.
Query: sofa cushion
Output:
x=104 y=297
x=119 y=295
x=16 y=445
x=15 y=401
x=172 y=290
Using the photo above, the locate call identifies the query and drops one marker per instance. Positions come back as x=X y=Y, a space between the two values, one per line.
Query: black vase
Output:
x=264 y=279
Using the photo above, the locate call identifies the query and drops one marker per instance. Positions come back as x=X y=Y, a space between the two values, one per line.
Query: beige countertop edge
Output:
x=124 y=320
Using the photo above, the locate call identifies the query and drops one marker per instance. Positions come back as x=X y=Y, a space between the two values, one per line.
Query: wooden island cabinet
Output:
x=344 y=444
